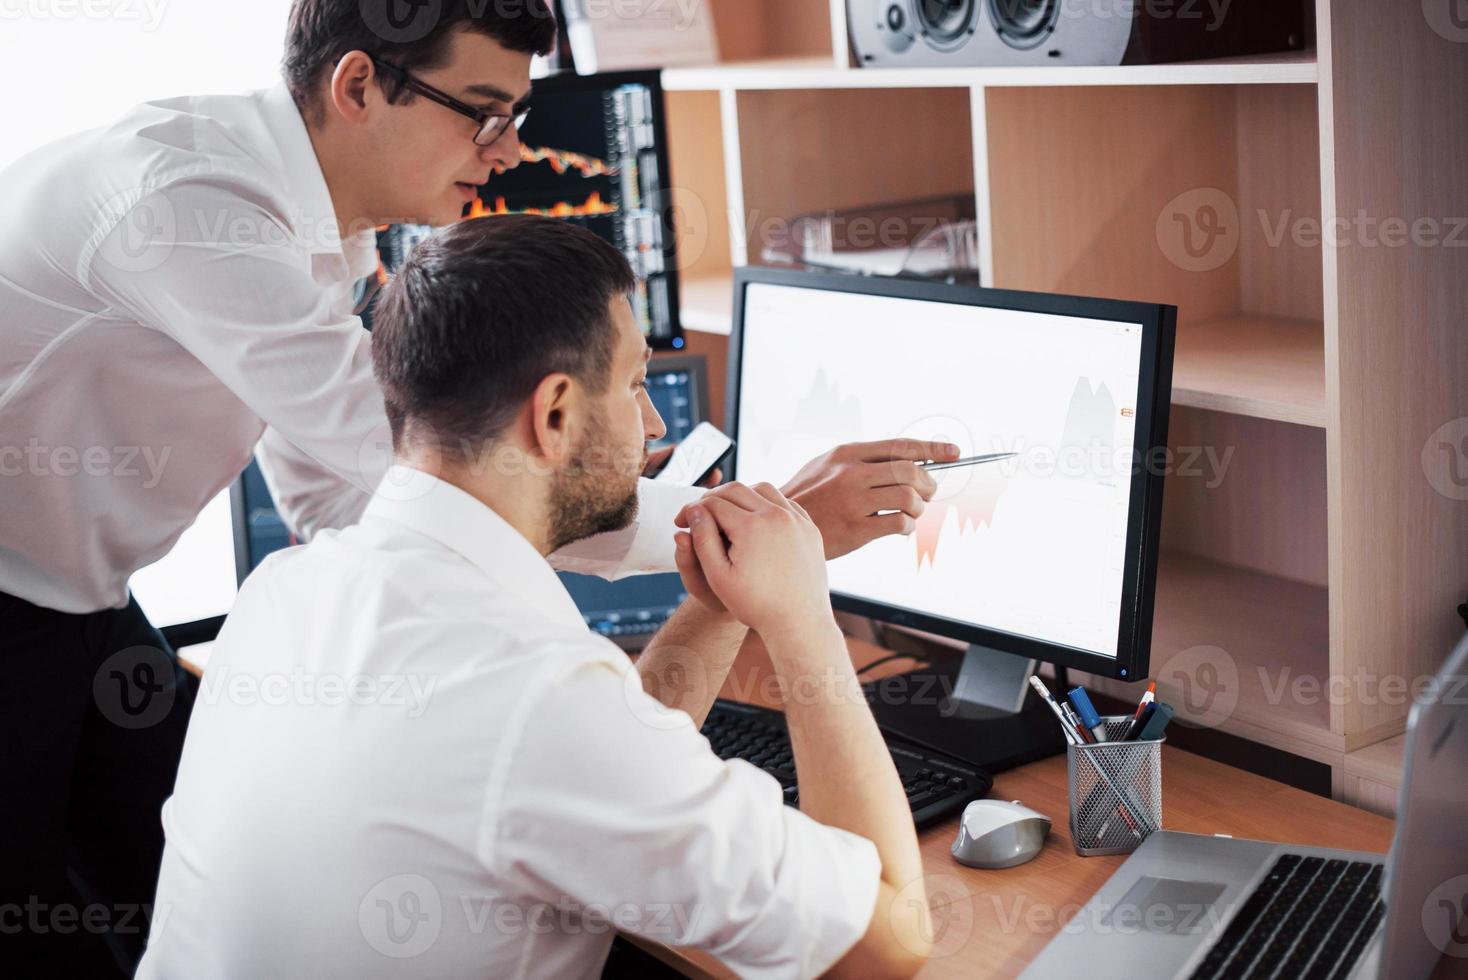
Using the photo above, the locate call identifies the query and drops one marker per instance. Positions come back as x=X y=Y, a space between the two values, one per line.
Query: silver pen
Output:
x=967 y=461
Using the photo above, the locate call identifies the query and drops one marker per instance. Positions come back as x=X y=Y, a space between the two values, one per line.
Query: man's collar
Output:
x=470 y=528
x=319 y=227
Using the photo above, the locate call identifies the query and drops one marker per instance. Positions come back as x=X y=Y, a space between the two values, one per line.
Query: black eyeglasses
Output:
x=491 y=125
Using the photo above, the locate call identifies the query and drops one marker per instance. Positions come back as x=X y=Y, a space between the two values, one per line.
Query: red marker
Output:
x=1147 y=698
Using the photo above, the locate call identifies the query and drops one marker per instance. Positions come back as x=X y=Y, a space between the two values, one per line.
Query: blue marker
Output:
x=1087 y=712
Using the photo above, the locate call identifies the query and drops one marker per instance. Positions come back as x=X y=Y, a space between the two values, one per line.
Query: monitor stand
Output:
x=979 y=707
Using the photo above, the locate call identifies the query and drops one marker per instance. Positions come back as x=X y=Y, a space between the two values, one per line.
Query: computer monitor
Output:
x=594 y=151
x=630 y=610
x=1049 y=556
x=259 y=529
x=188 y=591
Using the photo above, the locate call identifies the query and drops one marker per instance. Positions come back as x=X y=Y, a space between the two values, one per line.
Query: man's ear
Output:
x=555 y=414
x=350 y=80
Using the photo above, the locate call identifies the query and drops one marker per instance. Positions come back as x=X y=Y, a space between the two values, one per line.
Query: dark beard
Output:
x=584 y=503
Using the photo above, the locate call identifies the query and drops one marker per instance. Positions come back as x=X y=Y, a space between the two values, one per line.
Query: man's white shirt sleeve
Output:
x=645 y=546
x=610 y=800
x=309 y=496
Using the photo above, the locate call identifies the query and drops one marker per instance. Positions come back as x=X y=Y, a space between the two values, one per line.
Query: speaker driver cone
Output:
x=946 y=23
x=1024 y=23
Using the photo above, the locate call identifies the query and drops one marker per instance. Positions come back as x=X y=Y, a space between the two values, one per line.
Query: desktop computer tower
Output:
x=1014 y=33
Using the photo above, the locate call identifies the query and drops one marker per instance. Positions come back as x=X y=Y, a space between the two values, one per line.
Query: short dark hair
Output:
x=320 y=32
x=481 y=312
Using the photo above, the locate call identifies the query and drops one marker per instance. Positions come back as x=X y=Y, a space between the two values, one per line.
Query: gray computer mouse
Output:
x=995 y=834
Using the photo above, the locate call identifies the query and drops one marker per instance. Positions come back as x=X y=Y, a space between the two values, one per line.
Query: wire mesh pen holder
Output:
x=1115 y=791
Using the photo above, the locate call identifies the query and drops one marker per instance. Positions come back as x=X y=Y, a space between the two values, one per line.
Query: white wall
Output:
x=67 y=65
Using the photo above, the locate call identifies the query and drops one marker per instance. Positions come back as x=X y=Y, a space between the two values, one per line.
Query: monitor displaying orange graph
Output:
x=592 y=150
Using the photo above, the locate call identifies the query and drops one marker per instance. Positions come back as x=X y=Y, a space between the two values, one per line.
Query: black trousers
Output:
x=93 y=710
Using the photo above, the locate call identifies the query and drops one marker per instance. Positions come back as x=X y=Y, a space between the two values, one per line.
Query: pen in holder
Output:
x=1115 y=791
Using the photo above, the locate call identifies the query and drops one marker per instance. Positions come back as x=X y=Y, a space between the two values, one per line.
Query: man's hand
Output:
x=691 y=571
x=844 y=490
x=758 y=555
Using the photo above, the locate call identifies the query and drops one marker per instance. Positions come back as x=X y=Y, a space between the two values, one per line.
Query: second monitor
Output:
x=1049 y=556
x=594 y=151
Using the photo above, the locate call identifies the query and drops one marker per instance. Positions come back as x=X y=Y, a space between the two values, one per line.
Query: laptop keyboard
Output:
x=937 y=785
x=1310 y=917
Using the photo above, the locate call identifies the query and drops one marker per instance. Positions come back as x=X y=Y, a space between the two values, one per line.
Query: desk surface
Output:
x=992 y=923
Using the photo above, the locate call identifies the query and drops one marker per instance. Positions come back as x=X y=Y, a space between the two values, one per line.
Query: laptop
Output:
x=1185 y=905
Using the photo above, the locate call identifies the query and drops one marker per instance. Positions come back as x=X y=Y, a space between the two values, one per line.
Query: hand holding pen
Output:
x=968 y=461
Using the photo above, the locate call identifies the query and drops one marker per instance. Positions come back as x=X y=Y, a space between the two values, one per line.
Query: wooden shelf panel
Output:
x=1274 y=632
x=1380 y=761
x=818 y=73
x=1372 y=777
x=1266 y=367
x=706 y=303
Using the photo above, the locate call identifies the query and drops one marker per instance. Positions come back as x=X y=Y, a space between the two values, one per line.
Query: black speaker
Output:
x=1002 y=33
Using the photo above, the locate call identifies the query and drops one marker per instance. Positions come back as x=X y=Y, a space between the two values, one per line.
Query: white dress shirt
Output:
x=409 y=757
x=174 y=287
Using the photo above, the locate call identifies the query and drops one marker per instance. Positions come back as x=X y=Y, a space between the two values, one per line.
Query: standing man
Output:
x=177 y=290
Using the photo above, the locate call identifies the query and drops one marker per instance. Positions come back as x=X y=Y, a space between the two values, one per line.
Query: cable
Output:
x=889 y=658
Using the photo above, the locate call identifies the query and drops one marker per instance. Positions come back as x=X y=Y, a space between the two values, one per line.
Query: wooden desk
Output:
x=992 y=923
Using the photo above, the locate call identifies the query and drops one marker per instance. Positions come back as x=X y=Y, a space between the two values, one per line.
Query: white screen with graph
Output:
x=1033 y=546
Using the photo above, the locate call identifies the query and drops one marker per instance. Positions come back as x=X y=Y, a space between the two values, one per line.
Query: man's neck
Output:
x=517 y=500
x=339 y=165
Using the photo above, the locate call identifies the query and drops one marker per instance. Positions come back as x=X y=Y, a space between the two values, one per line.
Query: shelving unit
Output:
x=1314 y=545
x=708 y=303
x=820 y=73
x=1373 y=776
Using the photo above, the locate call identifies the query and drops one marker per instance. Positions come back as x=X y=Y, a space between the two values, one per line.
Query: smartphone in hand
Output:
x=696 y=457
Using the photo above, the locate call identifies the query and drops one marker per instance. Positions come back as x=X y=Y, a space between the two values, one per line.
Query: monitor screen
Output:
x=196 y=580
x=259 y=528
x=593 y=151
x=1036 y=547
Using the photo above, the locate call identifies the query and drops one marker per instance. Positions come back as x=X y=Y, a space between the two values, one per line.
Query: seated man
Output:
x=409 y=756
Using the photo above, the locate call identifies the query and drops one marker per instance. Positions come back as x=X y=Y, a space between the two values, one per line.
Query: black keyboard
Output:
x=1310 y=917
x=938 y=786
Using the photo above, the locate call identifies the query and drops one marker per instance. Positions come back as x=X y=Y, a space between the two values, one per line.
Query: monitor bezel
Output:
x=1144 y=518
x=569 y=81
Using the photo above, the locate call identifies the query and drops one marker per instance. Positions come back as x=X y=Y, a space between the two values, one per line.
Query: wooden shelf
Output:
x=707 y=303
x=1372 y=778
x=1273 y=630
x=1078 y=205
x=1380 y=761
x=820 y=73
x=1266 y=367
